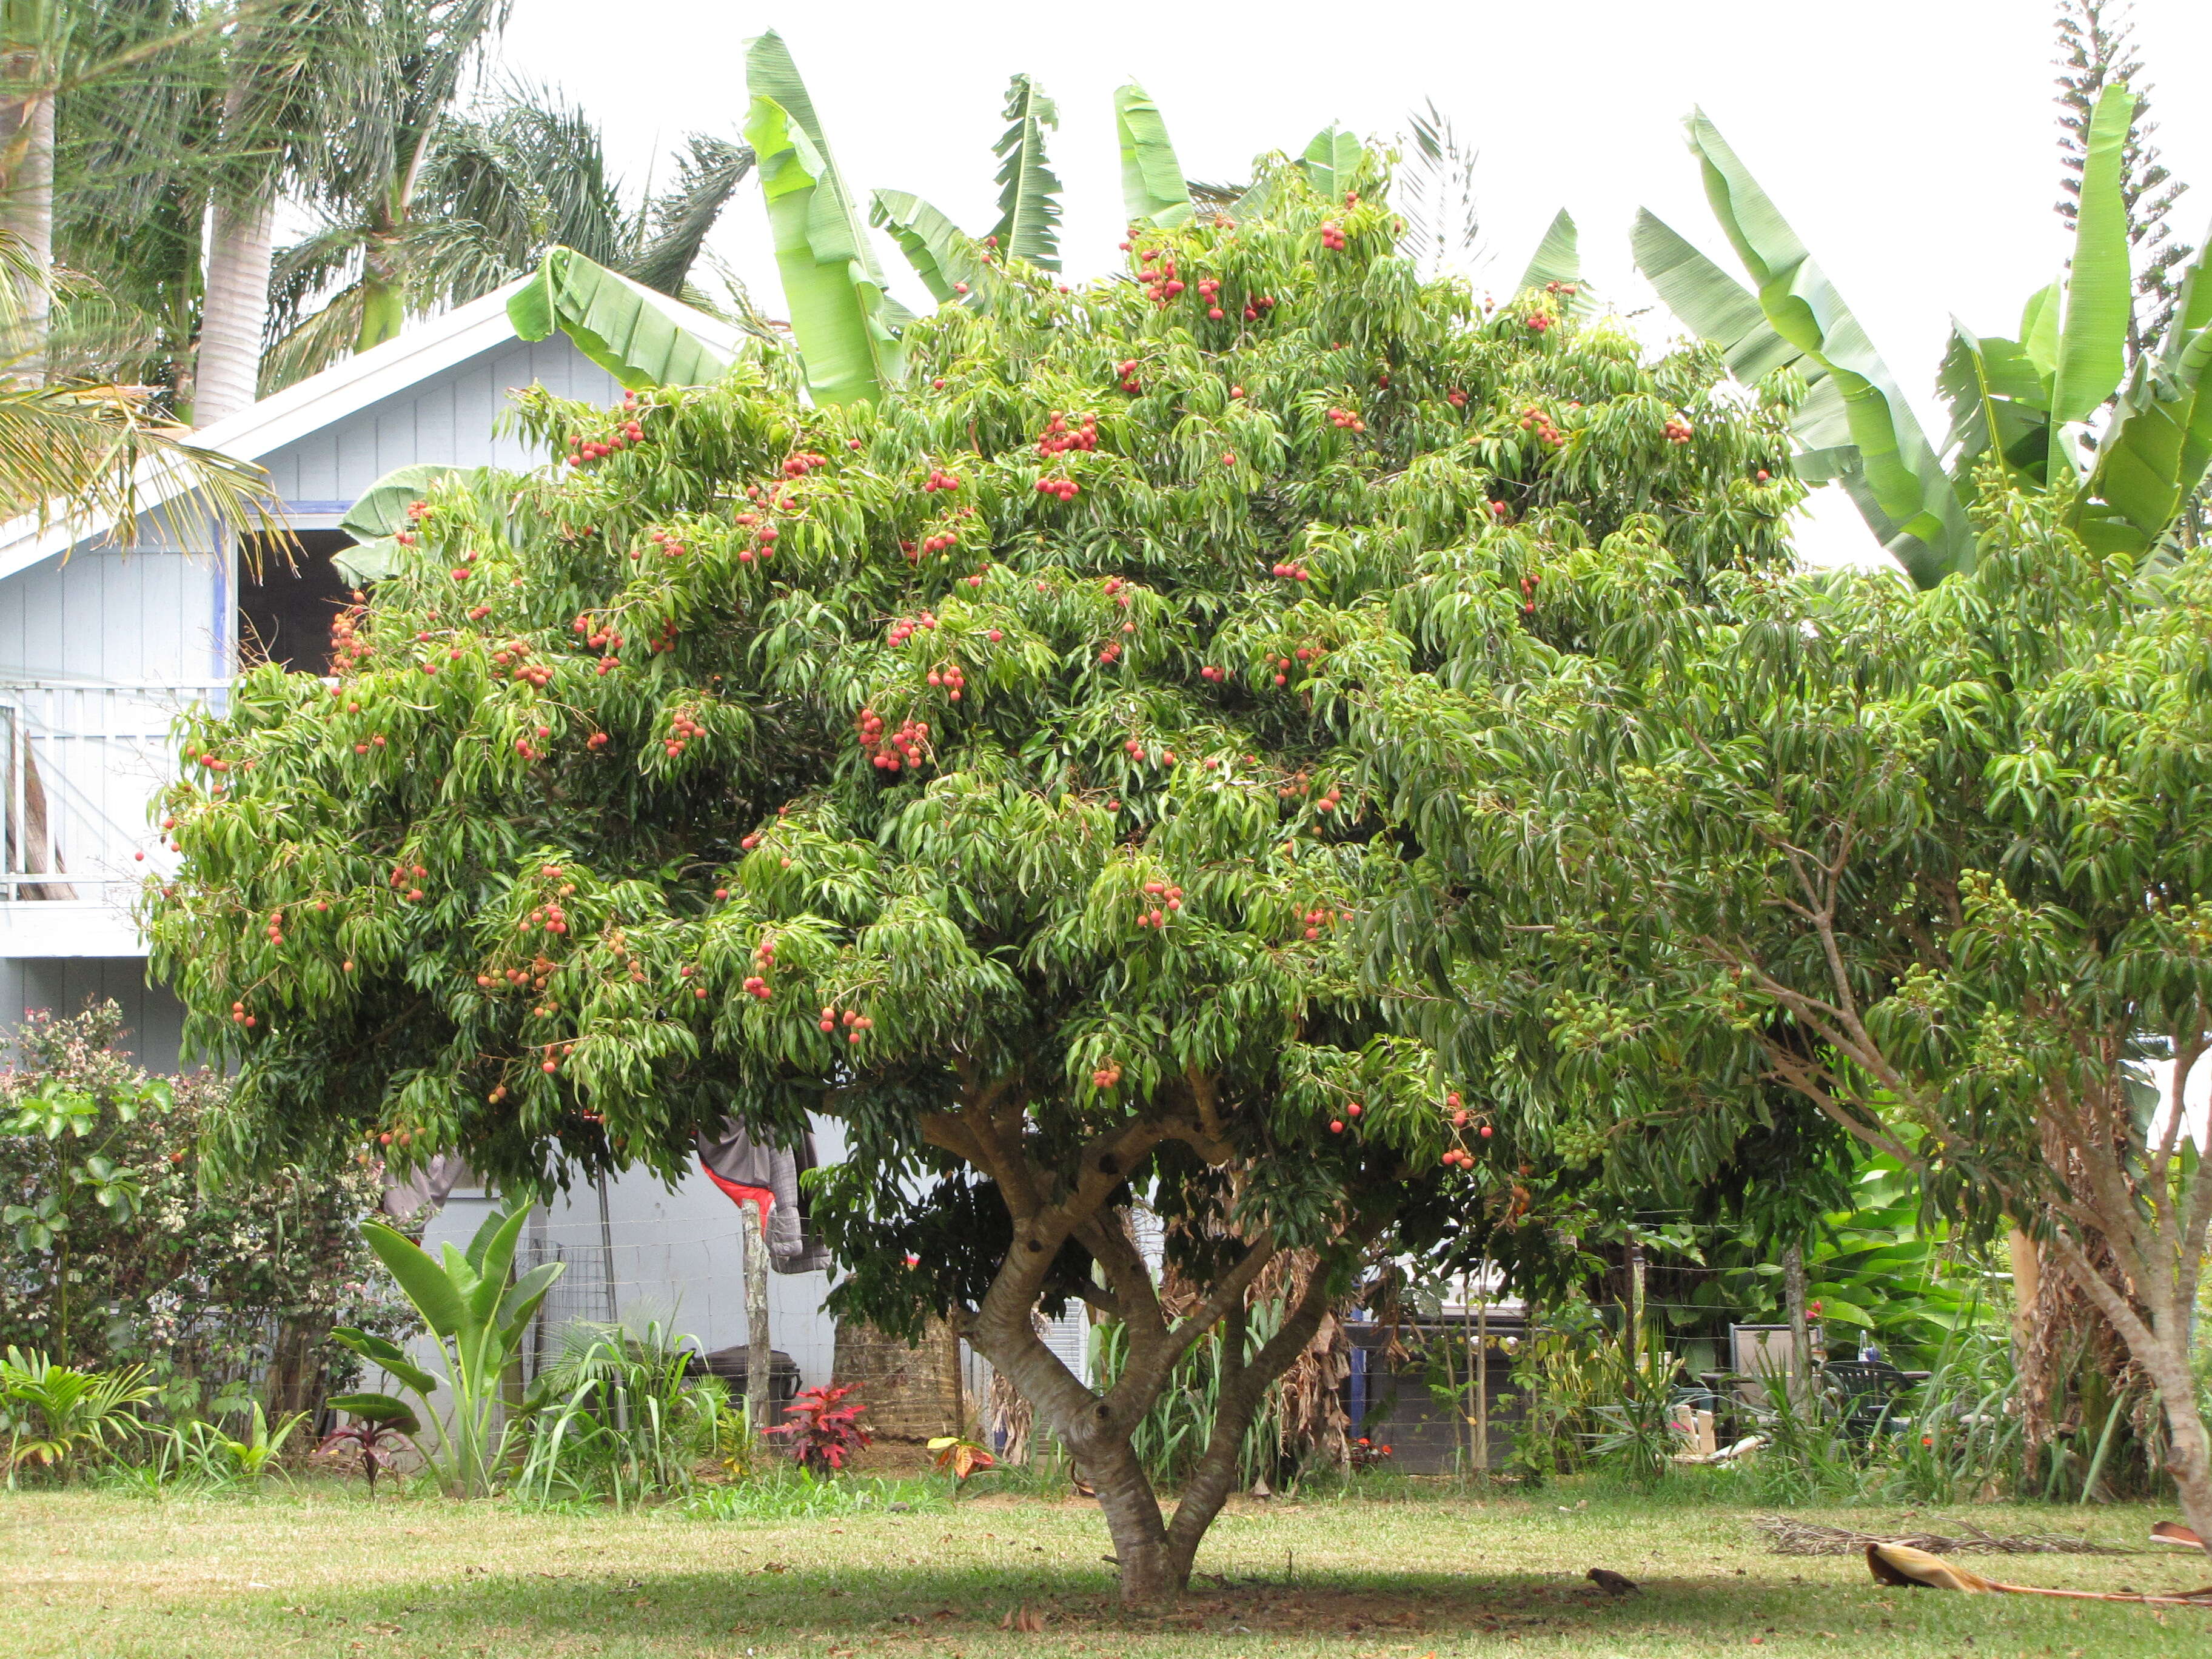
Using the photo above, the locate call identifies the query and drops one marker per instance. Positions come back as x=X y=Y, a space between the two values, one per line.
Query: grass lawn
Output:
x=319 y=1571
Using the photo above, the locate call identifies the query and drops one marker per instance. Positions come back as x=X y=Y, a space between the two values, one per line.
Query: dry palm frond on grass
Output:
x=1905 y=1567
x=1793 y=1537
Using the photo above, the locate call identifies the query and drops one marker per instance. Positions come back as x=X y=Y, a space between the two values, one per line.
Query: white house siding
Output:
x=448 y=418
x=154 y=1021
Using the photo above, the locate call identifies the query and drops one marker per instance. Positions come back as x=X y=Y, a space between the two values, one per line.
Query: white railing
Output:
x=81 y=762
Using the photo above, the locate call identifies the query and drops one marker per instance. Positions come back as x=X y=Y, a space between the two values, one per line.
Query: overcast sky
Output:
x=1911 y=143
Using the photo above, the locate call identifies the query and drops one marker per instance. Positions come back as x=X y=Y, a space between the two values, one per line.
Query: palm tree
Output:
x=485 y=195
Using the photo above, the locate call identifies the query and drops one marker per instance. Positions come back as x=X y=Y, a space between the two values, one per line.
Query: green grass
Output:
x=319 y=1571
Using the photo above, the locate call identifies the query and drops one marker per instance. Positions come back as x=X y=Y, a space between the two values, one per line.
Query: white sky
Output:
x=1911 y=143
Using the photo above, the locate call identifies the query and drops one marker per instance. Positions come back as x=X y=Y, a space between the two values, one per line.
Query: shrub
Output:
x=121 y=1259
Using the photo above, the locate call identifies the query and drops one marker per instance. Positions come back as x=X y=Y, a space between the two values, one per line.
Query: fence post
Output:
x=759 y=1354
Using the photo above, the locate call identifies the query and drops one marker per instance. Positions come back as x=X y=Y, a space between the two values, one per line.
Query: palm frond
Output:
x=316 y=341
x=681 y=219
x=88 y=456
x=1435 y=191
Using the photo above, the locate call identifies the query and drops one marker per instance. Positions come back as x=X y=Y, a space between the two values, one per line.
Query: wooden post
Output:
x=758 y=1353
x=1636 y=1299
x=1482 y=1376
x=1801 y=1341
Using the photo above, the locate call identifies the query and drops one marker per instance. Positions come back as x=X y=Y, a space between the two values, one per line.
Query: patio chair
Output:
x=1869 y=1395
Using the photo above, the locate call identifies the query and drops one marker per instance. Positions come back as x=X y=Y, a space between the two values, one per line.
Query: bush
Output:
x=120 y=1259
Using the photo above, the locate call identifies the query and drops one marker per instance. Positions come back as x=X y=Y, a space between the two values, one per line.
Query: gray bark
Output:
x=234 y=314
x=26 y=215
x=759 y=1353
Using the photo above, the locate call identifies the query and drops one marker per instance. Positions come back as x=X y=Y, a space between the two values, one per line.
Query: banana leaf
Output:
x=1153 y=189
x=1900 y=487
x=1029 y=200
x=2156 y=452
x=1329 y=160
x=940 y=252
x=2099 y=291
x=1559 y=260
x=381 y=514
x=847 y=324
x=623 y=326
x=378 y=1408
x=1992 y=384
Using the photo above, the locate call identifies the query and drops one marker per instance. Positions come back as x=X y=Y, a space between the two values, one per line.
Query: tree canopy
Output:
x=984 y=767
x=1935 y=863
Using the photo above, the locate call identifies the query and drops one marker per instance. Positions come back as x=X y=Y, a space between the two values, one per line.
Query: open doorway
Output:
x=284 y=612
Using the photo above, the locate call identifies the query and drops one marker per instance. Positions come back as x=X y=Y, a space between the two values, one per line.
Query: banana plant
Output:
x=1557 y=264
x=847 y=323
x=478 y=1320
x=1857 y=425
x=956 y=267
x=623 y=326
x=2029 y=402
x=1153 y=189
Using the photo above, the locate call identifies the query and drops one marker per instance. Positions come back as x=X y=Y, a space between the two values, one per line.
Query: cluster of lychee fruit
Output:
x=1332 y=237
x=805 y=461
x=855 y=1023
x=1127 y=371
x=950 y=678
x=1316 y=919
x=902 y=630
x=1534 y=419
x=930 y=546
x=1459 y=1156
x=940 y=479
x=1678 y=431
x=1158 y=276
x=1347 y=420
x=1353 y=1111
x=756 y=983
x=403 y=878
x=1291 y=570
x=1058 y=437
x=581 y=449
x=889 y=752
x=1107 y=1076
x=1169 y=897
x=682 y=728
x=1066 y=489
x=670 y=546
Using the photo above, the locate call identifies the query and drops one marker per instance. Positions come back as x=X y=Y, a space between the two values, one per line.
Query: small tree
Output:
x=118 y=1255
x=973 y=768
x=1939 y=863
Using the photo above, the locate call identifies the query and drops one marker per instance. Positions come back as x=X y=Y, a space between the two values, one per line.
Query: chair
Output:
x=1869 y=1393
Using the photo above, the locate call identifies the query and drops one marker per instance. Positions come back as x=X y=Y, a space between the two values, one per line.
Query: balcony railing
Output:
x=80 y=763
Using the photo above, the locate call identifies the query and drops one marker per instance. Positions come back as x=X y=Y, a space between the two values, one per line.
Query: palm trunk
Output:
x=26 y=217
x=760 y=1354
x=234 y=314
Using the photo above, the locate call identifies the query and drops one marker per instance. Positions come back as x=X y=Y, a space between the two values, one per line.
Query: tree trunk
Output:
x=227 y=377
x=1800 y=1381
x=26 y=215
x=760 y=1354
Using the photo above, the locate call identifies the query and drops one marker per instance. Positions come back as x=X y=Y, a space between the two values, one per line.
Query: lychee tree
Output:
x=972 y=766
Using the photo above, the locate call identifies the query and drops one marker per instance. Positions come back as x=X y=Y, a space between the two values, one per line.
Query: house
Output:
x=101 y=647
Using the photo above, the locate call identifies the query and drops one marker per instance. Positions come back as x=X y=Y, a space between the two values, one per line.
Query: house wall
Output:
x=154 y=1020
x=449 y=418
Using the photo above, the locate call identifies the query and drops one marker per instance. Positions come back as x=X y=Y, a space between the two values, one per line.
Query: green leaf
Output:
x=940 y=252
x=1329 y=160
x=1029 y=202
x=2038 y=331
x=2157 y=450
x=1558 y=258
x=1716 y=307
x=378 y=1408
x=491 y=1253
x=1842 y=1312
x=2092 y=340
x=382 y=1351
x=847 y=324
x=1153 y=189
x=1992 y=384
x=1901 y=487
x=382 y=509
x=426 y=1284
x=519 y=1305
x=624 y=326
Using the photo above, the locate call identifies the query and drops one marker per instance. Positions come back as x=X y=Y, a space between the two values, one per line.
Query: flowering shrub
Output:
x=116 y=1256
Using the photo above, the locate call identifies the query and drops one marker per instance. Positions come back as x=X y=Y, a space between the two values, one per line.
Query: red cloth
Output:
x=738 y=1194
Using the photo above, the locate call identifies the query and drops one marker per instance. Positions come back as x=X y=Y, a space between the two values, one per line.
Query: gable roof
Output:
x=419 y=352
